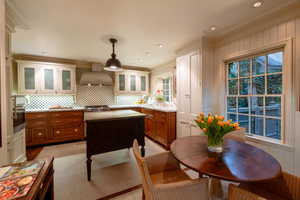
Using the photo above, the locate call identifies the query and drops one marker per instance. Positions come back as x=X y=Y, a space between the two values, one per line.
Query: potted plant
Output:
x=215 y=128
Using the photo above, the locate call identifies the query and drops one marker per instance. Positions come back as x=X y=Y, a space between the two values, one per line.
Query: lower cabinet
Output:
x=51 y=127
x=160 y=126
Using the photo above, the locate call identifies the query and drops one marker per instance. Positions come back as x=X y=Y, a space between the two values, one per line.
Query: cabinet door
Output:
x=67 y=79
x=48 y=77
x=28 y=78
x=133 y=82
x=143 y=83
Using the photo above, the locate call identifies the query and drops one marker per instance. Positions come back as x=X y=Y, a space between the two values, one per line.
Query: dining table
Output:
x=239 y=162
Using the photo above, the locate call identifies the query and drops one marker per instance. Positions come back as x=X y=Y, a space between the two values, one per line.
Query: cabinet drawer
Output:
x=39 y=135
x=66 y=122
x=36 y=116
x=67 y=132
x=63 y=115
x=36 y=123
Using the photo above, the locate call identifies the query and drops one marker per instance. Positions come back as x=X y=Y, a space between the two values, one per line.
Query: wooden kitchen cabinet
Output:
x=160 y=126
x=51 y=127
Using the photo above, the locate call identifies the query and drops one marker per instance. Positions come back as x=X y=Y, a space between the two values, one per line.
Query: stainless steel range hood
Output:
x=96 y=77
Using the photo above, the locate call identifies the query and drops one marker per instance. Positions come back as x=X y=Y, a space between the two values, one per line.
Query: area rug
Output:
x=133 y=193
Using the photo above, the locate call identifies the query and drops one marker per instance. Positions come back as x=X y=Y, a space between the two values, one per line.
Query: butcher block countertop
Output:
x=111 y=115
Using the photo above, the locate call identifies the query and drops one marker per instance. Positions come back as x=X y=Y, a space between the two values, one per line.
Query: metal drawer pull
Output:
x=58 y=132
x=40 y=134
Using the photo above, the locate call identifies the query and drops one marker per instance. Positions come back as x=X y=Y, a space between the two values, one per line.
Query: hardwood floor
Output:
x=33 y=152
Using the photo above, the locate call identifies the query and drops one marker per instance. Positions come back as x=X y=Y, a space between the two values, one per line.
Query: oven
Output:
x=18 y=114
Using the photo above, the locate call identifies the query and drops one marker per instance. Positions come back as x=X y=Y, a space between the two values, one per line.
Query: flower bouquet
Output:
x=159 y=97
x=215 y=128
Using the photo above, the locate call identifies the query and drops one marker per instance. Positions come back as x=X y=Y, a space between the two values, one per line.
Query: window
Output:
x=255 y=94
x=167 y=89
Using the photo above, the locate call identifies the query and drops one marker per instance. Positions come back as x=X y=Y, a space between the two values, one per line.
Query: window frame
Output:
x=288 y=80
x=251 y=77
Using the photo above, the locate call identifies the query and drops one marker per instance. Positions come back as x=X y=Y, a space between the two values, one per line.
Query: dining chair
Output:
x=236 y=193
x=163 y=179
x=287 y=186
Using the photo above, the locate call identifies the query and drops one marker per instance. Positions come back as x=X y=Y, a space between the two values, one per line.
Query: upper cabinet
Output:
x=46 y=78
x=132 y=82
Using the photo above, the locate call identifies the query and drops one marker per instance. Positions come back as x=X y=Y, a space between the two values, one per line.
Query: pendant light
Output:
x=113 y=64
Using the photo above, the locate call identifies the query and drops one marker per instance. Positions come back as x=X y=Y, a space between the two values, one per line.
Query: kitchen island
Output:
x=111 y=131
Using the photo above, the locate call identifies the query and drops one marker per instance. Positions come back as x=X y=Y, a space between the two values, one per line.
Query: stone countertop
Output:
x=148 y=106
x=111 y=115
x=78 y=108
x=53 y=110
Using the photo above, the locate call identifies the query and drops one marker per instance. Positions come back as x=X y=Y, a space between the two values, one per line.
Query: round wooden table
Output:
x=239 y=162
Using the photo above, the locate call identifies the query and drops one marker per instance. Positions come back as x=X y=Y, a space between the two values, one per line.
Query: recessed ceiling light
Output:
x=213 y=28
x=257 y=4
x=160 y=45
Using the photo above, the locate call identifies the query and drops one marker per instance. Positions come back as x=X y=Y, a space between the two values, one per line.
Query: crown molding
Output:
x=14 y=17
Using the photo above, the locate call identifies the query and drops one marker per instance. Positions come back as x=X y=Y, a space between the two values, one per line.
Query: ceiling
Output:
x=79 y=29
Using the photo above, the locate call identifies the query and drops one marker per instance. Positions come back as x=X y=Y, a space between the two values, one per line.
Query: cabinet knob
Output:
x=75 y=129
x=58 y=132
x=40 y=134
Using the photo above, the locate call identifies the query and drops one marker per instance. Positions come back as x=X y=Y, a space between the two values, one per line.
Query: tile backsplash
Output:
x=127 y=100
x=95 y=95
x=46 y=101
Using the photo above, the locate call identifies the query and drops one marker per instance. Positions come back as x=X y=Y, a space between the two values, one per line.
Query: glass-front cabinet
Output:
x=66 y=80
x=49 y=77
x=132 y=82
x=28 y=78
x=45 y=78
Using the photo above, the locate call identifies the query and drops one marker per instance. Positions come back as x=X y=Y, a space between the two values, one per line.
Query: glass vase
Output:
x=215 y=145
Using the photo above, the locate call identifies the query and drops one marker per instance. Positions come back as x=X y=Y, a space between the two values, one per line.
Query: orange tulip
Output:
x=221 y=118
x=237 y=128
x=220 y=123
x=209 y=119
x=235 y=125
x=227 y=123
x=204 y=130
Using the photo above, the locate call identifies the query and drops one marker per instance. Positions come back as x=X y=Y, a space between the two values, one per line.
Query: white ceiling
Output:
x=77 y=29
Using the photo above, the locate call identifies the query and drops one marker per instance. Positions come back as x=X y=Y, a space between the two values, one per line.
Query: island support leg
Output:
x=88 y=167
x=143 y=150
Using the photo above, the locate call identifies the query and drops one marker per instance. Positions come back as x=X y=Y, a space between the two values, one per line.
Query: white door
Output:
x=196 y=91
x=183 y=95
x=28 y=78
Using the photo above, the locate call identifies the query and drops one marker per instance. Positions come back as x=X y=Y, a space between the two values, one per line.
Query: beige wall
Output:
x=3 y=149
x=264 y=33
x=160 y=72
